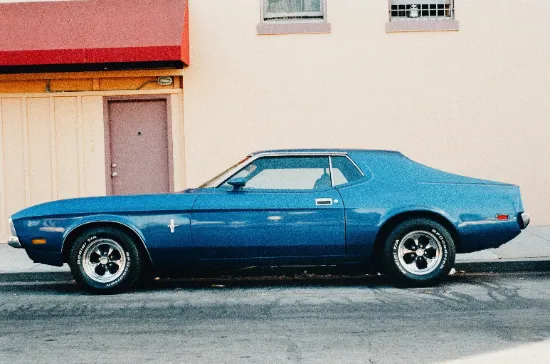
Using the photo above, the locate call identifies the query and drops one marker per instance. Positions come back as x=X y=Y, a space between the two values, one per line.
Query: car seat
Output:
x=323 y=181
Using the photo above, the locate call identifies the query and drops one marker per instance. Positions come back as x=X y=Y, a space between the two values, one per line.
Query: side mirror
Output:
x=237 y=183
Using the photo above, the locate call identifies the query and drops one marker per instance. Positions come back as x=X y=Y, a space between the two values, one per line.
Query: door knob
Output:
x=114 y=174
x=114 y=165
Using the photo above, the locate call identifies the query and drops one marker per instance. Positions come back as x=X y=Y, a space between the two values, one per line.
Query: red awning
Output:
x=86 y=32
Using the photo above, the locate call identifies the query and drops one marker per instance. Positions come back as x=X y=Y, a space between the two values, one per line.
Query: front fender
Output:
x=94 y=219
x=102 y=219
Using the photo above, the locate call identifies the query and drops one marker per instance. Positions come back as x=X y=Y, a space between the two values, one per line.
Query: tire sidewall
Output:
x=396 y=269
x=131 y=269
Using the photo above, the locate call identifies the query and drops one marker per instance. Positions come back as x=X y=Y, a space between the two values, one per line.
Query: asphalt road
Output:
x=274 y=320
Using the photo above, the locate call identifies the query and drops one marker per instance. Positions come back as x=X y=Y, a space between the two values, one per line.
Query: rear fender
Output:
x=395 y=216
x=416 y=209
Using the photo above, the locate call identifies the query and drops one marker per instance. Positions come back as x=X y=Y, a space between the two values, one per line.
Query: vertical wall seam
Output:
x=183 y=156
x=80 y=146
x=26 y=159
x=3 y=211
x=189 y=153
x=53 y=141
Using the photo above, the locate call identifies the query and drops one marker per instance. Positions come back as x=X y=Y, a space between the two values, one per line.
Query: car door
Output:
x=288 y=213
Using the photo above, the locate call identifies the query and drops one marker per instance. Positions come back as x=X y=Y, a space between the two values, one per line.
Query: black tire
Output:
x=419 y=252
x=105 y=260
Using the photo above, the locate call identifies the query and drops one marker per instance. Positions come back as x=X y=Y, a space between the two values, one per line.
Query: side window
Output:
x=344 y=171
x=285 y=173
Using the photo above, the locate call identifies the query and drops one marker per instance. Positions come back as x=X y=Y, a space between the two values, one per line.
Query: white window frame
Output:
x=421 y=23
x=279 y=23
x=316 y=16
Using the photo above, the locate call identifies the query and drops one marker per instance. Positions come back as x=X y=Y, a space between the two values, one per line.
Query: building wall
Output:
x=52 y=145
x=474 y=102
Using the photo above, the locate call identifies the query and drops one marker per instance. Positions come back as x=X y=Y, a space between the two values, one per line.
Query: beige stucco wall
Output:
x=53 y=147
x=473 y=102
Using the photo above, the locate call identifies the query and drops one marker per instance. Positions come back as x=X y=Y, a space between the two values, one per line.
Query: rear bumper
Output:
x=13 y=241
x=523 y=220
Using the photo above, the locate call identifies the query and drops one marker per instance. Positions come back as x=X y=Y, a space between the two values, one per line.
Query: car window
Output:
x=344 y=171
x=211 y=180
x=286 y=173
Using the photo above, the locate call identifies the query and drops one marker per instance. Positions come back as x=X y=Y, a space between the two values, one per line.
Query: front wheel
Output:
x=105 y=260
x=419 y=251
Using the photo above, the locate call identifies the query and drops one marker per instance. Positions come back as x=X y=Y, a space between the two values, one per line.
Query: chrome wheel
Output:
x=420 y=252
x=104 y=260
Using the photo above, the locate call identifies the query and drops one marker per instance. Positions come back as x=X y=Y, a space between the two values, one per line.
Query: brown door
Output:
x=138 y=133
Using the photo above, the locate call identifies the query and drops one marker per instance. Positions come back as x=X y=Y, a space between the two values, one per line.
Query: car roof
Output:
x=327 y=150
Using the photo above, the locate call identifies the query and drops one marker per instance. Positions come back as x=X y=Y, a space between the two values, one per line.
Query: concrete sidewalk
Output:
x=529 y=251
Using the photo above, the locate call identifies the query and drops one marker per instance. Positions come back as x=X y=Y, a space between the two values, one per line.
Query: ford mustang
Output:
x=377 y=210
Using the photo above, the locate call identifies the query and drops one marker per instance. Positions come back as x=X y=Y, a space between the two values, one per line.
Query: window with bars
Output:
x=407 y=10
x=293 y=10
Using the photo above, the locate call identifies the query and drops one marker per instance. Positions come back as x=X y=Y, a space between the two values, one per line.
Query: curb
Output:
x=29 y=277
x=504 y=266
x=513 y=266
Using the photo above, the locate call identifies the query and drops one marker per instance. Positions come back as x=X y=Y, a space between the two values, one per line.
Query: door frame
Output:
x=107 y=134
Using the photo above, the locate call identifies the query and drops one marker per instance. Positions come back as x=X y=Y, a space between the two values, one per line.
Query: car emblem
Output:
x=172 y=226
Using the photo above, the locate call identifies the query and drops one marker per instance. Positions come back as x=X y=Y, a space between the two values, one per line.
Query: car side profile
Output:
x=377 y=210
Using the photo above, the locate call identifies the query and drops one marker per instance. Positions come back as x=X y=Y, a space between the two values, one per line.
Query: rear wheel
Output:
x=105 y=260
x=419 y=251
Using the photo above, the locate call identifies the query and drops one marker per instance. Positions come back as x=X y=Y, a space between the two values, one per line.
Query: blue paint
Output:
x=219 y=226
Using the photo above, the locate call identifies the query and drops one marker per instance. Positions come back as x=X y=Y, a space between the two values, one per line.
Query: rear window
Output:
x=344 y=171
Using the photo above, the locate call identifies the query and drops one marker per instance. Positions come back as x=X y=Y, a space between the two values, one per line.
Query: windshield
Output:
x=210 y=182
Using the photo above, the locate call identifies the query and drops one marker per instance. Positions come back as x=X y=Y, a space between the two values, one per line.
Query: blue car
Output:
x=377 y=210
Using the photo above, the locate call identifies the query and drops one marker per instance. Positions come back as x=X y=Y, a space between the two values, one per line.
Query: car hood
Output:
x=110 y=205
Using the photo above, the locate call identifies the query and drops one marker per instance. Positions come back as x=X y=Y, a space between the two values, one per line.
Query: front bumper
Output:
x=523 y=220
x=14 y=242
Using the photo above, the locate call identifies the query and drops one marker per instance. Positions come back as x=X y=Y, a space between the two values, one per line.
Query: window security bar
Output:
x=414 y=10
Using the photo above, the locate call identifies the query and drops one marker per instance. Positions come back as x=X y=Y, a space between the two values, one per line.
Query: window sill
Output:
x=421 y=26
x=293 y=28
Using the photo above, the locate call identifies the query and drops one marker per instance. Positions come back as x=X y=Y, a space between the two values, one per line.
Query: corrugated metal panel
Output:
x=12 y=155
x=40 y=153
x=51 y=147
x=178 y=141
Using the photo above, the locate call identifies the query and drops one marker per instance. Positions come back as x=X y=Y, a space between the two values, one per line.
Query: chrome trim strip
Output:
x=525 y=220
x=356 y=166
x=13 y=241
x=12 y=228
x=330 y=168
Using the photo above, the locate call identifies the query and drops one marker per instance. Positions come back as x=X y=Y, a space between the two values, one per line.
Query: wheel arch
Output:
x=393 y=221
x=71 y=237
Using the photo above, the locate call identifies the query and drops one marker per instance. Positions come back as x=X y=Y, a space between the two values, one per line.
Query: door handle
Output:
x=323 y=201
x=114 y=174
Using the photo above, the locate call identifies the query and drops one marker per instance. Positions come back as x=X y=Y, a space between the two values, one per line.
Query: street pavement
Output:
x=529 y=251
x=472 y=318
x=493 y=309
